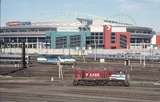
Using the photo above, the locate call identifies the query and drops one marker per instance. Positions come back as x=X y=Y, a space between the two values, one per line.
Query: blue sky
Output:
x=141 y=12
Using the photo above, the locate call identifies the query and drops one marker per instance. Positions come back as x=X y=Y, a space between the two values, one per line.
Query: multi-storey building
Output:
x=81 y=32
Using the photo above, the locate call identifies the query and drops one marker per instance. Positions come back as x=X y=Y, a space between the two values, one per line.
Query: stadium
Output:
x=78 y=33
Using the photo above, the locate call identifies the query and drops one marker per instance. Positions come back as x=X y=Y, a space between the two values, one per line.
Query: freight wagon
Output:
x=100 y=77
x=13 y=59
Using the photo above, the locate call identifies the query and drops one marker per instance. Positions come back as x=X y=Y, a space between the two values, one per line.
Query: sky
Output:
x=139 y=12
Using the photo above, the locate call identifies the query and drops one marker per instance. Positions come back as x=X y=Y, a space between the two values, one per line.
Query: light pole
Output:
x=144 y=59
x=83 y=54
x=1 y=42
x=63 y=50
x=10 y=46
x=95 y=46
x=12 y=41
x=4 y=47
x=140 y=58
x=69 y=49
x=46 y=47
x=77 y=49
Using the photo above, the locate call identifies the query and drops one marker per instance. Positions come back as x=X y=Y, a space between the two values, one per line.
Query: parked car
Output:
x=42 y=59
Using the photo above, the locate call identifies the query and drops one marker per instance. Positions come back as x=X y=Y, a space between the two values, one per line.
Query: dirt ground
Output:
x=62 y=92
x=34 y=85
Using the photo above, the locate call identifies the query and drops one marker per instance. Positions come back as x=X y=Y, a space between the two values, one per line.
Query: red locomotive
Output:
x=100 y=77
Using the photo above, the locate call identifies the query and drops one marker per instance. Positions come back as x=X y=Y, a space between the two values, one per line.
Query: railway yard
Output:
x=40 y=83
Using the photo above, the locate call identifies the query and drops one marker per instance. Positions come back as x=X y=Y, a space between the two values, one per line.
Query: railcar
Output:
x=100 y=77
x=54 y=59
x=13 y=59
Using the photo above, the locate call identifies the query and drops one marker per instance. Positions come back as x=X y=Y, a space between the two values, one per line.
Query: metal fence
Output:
x=136 y=54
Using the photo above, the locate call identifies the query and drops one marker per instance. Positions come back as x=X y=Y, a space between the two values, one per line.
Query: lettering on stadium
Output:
x=17 y=23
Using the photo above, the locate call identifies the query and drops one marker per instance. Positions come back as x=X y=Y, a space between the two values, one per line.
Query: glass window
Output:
x=21 y=39
x=41 y=39
x=113 y=37
x=123 y=41
x=32 y=39
x=61 y=42
x=14 y=40
x=75 y=41
x=6 y=40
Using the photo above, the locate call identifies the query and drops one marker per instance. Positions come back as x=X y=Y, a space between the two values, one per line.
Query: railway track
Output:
x=35 y=69
x=51 y=93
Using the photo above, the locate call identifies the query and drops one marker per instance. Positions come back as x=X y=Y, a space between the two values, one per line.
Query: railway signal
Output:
x=23 y=56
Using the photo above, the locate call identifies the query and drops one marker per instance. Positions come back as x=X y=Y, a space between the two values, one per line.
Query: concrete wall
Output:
x=99 y=28
x=153 y=40
x=79 y=52
x=118 y=29
x=43 y=51
x=96 y=28
x=108 y=29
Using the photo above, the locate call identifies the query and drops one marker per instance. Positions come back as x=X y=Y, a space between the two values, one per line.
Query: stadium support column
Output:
x=95 y=47
x=52 y=36
x=83 y=39
x=128 y=34
x=107 y=36
x=68 y=45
